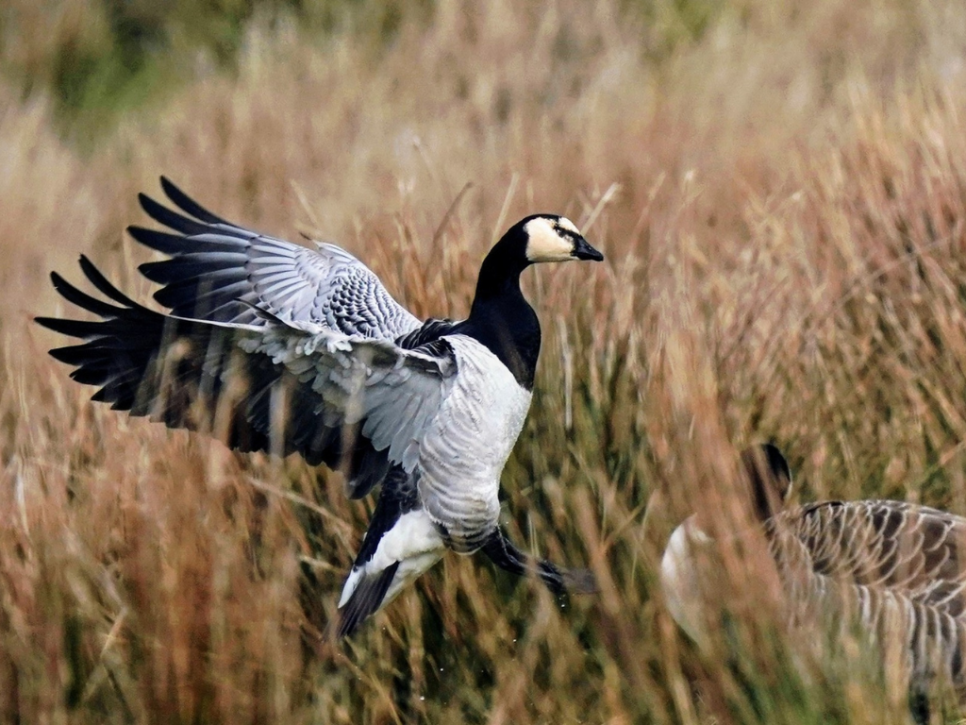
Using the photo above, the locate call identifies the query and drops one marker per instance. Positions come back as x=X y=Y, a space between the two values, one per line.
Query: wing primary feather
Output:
x=73 y=295
x=184 y=299
x=189 y=205
x=176 y=244
x=103 y=285
x=211 y=267
x=173 y=220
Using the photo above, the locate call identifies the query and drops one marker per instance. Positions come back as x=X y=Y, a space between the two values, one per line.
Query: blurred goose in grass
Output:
x=280 y=348
x=897 y=569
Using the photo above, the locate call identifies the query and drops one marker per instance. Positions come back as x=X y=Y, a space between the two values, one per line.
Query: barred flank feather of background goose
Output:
x=894 y=566
x=896 y=569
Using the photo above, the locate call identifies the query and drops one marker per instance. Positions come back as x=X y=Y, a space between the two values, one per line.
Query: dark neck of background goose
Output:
x=770 y=479
x=501 y=318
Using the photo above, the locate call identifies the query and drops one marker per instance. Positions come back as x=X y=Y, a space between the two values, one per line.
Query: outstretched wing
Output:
x=216 y=267
x=280 y=386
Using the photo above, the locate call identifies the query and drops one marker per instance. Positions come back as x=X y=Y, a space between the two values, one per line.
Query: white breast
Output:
x=462 y=455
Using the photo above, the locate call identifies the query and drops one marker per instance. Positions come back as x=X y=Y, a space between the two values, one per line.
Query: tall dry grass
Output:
x=781 y=204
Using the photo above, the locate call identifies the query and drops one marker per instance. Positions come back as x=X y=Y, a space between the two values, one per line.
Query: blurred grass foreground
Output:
x=780 y=190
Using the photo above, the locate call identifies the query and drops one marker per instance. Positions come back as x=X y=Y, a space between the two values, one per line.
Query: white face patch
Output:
x=565 y=223
x=550 y=240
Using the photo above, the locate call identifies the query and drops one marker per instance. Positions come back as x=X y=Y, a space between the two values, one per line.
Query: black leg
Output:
x=504 y=553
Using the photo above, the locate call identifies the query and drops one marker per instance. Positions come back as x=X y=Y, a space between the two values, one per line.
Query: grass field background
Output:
x=780 y=192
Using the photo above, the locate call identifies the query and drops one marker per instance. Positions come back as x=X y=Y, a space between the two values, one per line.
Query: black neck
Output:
x=502 y=319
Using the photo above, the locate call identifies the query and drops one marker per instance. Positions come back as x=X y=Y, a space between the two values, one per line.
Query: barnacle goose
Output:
x=896 y=569
x=276 y=347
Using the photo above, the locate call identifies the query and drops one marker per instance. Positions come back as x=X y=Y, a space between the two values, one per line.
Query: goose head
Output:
x=770 y=478
x=500 y=317
x=552 y=238
x=536 y=239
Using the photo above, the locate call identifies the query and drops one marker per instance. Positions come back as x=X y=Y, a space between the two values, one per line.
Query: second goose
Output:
x=896 y=569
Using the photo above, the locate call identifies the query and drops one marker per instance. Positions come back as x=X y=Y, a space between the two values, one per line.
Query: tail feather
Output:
x=366 y=599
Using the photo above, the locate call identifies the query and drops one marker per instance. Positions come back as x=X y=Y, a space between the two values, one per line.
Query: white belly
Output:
x=463 y=453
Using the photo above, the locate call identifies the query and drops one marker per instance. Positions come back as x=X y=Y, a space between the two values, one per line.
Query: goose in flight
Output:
x=896 y=569
x=275 y=347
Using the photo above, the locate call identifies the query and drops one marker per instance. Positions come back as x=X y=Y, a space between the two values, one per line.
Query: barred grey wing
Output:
x=352 y=402
x=216 y=267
